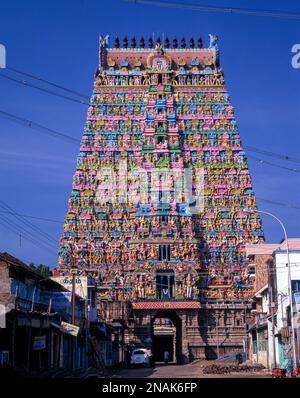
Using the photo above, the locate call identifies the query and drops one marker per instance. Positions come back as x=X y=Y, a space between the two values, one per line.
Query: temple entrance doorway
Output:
x=166 y=336
x=160 y=345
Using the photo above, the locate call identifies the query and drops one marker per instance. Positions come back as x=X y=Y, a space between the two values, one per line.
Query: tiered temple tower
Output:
x=156 y=210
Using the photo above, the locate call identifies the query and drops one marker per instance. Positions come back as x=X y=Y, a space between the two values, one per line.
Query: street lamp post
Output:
x=272 y=312
x=73 y=296
x=289 y=279
x=74 y=272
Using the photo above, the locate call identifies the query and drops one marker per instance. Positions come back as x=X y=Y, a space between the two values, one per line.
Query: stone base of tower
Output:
x=201 y=330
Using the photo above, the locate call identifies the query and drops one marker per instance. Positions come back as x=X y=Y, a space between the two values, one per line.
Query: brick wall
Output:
x=5 y=295
x=262 y=262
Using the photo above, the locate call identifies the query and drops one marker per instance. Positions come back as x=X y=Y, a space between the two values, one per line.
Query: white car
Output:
x=141 y=356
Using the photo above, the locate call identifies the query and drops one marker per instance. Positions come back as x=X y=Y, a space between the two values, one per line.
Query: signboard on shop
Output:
x=69 y=328
x=39 y=343
x=81 y=284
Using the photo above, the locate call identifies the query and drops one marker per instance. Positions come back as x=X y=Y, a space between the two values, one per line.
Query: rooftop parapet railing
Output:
x=151 y=43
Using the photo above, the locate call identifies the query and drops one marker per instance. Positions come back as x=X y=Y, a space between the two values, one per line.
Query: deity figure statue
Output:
x=119 y=279
x=179 y=288
x=188 y=285
x=152 y=253
x=140 y=286
x=66 y=255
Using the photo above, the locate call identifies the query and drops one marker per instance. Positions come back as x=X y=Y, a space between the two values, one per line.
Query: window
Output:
x=159 y=76
x=295 y=286
x=254 y=346
x=164 y=252
x=93 y=298
x=262 y=345
x=251 y=269
x=288 y=315
x=160 y=196
x=138 y=352
x=165 y=282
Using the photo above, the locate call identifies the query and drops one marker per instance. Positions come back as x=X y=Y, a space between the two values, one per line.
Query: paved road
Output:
x=183 y=371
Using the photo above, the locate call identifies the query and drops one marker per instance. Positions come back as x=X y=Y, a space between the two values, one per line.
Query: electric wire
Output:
x=71 y=139
x=33 y=125
x=227 y=10
x=65 y=137
x=24 y=232
x=262 y=161
x=33 y=217
x=279 y=203
x=48 y=82
x=27 y=84
x=272 y=154
x=249 y=148
x=15 y=231
x=28 y=223
x=19 y=230
x=290 y=206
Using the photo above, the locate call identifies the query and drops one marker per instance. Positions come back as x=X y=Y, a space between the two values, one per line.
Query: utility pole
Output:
x=33 y=298
x=272 y=304
x=257 y=343
x=73 y=297
x=290 y=292
x=246 y=332
x=217 y=326
x=74 y=272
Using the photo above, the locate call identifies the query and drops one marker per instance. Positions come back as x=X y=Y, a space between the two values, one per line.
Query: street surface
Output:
x=183 y=371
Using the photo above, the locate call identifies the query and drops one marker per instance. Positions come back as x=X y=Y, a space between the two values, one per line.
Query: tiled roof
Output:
x=13 y=261
x=269 y=248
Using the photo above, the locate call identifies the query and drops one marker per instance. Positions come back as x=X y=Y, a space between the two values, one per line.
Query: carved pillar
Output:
x=184 y=344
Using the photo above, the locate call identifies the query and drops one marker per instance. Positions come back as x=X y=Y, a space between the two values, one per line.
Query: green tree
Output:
x=42 y=269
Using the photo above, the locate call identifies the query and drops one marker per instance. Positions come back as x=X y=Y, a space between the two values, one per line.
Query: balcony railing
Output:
x=27 y=305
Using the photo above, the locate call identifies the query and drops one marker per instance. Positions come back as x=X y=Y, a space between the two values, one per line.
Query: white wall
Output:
x=282 y=280
x=265 y=301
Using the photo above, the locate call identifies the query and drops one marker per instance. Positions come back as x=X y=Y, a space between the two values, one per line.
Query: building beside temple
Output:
x=156 y=208
x=270 y=327
x=37 y=333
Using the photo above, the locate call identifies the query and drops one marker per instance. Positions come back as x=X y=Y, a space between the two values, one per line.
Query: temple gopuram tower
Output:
x=156 y=212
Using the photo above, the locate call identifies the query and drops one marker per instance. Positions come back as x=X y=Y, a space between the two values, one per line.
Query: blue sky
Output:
x=58 y=40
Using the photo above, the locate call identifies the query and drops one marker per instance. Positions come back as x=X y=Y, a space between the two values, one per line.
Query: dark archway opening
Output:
x=166 y=336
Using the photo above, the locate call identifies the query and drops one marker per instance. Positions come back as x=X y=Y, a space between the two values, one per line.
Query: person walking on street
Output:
x=166 y=357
